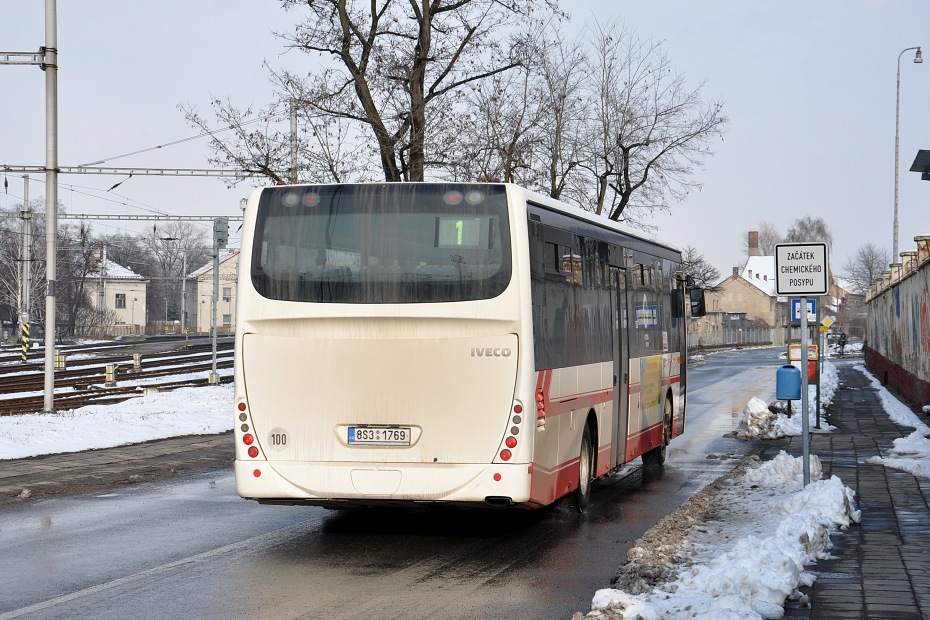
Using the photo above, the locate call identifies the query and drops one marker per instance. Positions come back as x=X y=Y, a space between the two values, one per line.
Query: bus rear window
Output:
x=382 y=243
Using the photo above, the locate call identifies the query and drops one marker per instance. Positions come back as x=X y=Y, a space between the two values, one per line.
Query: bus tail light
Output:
x=253 y=451
x=511 y=442
x=505 y=455
x=248 y=439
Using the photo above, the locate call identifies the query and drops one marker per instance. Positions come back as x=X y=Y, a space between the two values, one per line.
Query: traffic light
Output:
x=221 y=232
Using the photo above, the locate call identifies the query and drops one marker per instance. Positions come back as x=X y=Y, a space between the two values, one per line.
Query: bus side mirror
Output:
x=697 y=302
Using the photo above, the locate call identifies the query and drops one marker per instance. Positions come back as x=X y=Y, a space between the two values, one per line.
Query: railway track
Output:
x=95 y=396
x=81 y=377
x=86 y=382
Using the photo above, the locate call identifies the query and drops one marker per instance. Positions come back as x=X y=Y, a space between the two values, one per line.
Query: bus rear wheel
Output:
x=582 y=495
x=654 y=460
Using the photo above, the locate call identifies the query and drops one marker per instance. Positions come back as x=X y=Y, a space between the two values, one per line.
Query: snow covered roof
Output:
x=115 y=271
x=209 y=266
x=760 y=272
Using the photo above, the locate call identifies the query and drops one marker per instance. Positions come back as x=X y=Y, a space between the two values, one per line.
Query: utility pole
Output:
x=50 y=67
x=220 y=239
x=26 y=280
x=293 y=175
x=102 y=306
x=184 y=294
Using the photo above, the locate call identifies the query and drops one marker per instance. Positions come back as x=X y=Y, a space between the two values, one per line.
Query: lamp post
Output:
x=897 y=123
x=132 y=317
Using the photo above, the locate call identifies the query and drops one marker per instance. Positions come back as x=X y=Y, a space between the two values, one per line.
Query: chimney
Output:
x=736 y=271
x=753 y=242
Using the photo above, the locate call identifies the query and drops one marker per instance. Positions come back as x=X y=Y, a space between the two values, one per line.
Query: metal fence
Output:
x=735 y=338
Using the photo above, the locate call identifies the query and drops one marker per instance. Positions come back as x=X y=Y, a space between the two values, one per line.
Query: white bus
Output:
x=448 y=343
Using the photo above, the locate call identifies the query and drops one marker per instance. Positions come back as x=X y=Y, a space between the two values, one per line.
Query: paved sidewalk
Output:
x=80 y=472
x=882 y=565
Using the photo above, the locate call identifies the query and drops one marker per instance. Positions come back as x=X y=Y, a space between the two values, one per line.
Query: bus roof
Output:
x=591 y=218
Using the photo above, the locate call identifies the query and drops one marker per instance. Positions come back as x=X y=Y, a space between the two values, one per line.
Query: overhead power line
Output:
x=182 y=140
x=165 y=172
x=150 y=218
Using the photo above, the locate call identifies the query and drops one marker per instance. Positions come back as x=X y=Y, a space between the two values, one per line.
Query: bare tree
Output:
x=129 y=251
x=561 y=68
x=496 y=136
x=695 y=265
x=769 y=237
x=865 y=266
x=168 y=246
x=809 y=229
x=77 y=259
x=328 y=150
x=12 y=264
x=387 y=63
x=519 y=126
x=650 y=131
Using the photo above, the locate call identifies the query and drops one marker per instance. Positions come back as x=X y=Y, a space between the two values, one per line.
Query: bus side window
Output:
x=551 y=257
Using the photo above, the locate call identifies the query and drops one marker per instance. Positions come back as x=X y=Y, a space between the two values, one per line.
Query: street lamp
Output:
x=897 y=122
x=132 y=316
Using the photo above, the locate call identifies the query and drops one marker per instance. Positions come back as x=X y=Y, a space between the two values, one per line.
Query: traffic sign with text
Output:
x=801 y=269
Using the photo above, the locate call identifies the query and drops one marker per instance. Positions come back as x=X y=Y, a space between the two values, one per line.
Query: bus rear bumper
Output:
x=336 y=484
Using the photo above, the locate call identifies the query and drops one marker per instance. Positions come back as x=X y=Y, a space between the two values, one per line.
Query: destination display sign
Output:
x=801 y=269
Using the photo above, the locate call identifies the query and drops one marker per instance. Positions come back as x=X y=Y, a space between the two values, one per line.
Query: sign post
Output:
x=801 y=270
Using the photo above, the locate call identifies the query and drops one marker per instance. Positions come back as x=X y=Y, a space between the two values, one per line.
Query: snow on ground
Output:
x=911 y=453
x=185 y=411
x=763 y=421
x=746 y=552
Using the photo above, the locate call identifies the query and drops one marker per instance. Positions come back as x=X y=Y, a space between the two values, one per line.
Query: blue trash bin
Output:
x=788 y=383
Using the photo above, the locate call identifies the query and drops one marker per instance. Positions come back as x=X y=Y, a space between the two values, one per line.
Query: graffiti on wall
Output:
x=898 y=326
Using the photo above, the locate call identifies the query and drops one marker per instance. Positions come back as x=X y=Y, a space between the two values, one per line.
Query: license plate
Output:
x=379 y=435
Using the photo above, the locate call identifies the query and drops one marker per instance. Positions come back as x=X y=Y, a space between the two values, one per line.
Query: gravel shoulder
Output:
x=23 y=480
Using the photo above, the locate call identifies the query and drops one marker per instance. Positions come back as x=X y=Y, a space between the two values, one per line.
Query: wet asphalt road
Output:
x=183 y=545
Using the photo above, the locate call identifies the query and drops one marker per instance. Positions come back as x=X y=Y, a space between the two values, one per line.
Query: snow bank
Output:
x=782 y=526
x=761 y=421
x=185 y=411
x=911 y=453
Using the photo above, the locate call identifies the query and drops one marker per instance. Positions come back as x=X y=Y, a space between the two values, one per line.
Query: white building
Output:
x=118 y=294
x=226 y=297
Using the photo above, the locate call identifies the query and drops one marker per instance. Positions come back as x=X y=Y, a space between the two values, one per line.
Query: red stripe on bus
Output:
x=603 y=460
x=579 y=401
x=548 y=485
x=643 y=441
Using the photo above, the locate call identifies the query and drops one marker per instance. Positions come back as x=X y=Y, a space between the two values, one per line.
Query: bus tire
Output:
x=654 y=460
x=581 y=498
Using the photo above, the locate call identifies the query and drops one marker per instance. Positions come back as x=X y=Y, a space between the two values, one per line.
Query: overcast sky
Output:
x=809 y=88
